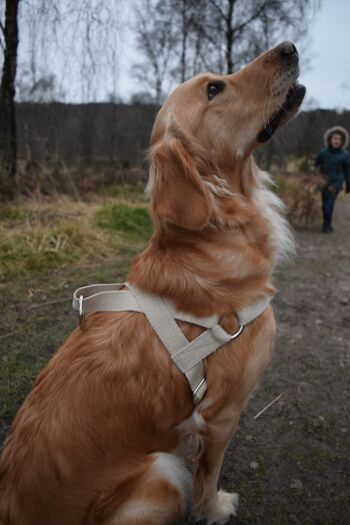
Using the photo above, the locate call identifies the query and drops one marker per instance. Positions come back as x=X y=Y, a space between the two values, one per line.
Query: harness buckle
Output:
x=81 y=313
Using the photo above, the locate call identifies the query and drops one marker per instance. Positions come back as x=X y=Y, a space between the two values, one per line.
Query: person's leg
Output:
x=328 y=200
x=331 y=208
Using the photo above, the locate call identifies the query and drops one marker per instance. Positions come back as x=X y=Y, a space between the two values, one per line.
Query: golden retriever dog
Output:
x=102 y=438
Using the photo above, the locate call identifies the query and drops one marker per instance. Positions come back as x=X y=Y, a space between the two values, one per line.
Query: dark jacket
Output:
x=334 y=164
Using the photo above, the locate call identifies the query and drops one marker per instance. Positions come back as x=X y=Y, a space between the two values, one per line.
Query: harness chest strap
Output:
x=161 y=314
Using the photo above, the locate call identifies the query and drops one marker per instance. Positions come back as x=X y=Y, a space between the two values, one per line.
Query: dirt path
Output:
x=291 y=465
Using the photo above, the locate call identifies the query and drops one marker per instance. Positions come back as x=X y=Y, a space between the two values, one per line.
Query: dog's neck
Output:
x=225 y=266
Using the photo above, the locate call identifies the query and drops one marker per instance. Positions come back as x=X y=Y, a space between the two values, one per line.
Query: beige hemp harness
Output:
x=161 y=314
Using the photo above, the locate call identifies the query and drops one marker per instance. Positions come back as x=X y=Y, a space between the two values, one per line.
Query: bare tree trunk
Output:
x=158 y=89
x=226 y=16
x=8 y=147
x=229 y=36
x=184 y=40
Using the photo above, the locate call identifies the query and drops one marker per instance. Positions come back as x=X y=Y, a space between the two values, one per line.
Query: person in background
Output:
x=333 y=164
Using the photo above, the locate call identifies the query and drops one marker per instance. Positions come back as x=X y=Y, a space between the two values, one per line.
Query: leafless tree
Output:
x=241 y=29
x=59 y=38
x=184 y=14
x=63 y=40
x=156 y=40
x=216 y=35
x=168 y=41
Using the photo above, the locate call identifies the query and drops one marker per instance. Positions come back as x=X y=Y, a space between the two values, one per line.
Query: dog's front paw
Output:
x=221 y=509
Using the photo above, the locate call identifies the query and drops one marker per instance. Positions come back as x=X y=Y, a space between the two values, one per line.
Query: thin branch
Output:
x=218 y=8
x=268 y=406
x=201 y=30
x=239 y=28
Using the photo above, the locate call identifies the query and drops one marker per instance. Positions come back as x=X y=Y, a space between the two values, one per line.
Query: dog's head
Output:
x=210 y=125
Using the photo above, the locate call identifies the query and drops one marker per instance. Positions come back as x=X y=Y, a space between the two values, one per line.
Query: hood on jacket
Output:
x=336 y=129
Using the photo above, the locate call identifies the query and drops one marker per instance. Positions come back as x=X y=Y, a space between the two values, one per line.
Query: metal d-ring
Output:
x=239 y=331
x=81 y=313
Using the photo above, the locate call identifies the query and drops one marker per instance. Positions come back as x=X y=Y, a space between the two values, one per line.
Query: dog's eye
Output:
x=214 y=88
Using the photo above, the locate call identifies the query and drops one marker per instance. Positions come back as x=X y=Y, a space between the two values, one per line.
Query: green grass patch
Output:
x=133 y=222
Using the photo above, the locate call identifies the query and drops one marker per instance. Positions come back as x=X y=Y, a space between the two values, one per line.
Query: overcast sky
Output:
x=328 y=81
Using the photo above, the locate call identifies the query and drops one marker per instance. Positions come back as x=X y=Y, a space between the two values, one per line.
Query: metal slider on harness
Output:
x=81 y=313
x=195 y=398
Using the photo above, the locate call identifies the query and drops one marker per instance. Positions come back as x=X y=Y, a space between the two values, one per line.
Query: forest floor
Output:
x=290 y=464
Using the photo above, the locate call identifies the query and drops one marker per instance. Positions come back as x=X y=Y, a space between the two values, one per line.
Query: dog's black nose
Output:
x=287 y=49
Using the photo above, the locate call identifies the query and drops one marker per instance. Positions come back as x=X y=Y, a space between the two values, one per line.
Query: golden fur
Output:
x=99 y=438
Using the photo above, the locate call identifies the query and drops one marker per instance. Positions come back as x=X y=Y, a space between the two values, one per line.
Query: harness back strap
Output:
x=161 y=314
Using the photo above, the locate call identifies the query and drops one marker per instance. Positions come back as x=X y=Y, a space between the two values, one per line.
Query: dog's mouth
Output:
x=290 y=106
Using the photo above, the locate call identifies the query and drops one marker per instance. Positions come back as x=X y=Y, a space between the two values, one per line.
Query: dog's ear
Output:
x=179 y=195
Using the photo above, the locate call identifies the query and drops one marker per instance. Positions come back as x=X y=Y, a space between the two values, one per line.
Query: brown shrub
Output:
x=300 y=195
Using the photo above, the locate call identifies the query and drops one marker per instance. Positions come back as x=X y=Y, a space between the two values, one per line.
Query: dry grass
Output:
x=39 y=235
